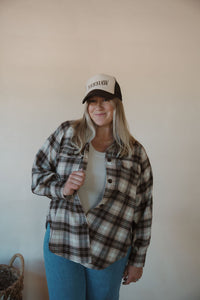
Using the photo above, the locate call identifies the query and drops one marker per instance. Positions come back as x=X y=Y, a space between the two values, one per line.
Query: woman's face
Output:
x=100 y=111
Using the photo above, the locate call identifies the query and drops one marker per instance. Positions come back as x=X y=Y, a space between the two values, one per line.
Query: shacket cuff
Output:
x=66 y=197
x=136 y=264
x=57 y=189
x=137 y=260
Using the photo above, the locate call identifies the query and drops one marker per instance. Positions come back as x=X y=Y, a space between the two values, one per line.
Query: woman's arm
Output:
x=143 y=216
x=45 y=180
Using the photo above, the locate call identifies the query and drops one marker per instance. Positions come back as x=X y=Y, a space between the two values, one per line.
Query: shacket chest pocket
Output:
x=68 y=162
x=126 y=173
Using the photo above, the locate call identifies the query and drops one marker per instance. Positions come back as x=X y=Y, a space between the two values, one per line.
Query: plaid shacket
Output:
x=121 y=220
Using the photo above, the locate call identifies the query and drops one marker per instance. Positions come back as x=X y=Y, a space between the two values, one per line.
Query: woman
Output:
x=99 y=180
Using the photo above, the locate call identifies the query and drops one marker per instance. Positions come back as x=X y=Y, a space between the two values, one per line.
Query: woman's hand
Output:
x=132 y=274
x=74 y=182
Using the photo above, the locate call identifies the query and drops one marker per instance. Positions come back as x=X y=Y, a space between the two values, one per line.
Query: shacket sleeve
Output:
x=143 y=213
x=45 y=180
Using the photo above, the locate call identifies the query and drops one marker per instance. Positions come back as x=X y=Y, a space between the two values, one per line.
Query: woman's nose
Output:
x=100 y=103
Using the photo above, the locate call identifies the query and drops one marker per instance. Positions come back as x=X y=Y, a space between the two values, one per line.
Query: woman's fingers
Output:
x=77 y=177
x=132 y=274
x=74 y=182
x=125 y=273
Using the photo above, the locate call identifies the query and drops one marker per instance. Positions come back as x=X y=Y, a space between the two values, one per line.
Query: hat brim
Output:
x=100 y=93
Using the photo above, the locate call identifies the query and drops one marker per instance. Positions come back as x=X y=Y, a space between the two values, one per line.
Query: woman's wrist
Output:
x=67 y=192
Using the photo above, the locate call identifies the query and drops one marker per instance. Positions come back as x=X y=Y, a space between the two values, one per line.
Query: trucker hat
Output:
x=102 y=85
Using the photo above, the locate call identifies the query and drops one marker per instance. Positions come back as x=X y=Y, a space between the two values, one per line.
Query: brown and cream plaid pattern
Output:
x=122 y=219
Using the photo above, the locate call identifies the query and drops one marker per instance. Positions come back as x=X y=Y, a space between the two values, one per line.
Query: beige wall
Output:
x=48 y=49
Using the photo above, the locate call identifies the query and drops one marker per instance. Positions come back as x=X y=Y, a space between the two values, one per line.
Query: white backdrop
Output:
x=48 y=51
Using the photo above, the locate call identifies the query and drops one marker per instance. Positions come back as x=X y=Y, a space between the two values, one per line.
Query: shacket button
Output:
x=109 y=180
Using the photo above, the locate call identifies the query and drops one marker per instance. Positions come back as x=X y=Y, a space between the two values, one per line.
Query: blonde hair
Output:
x=85 y=131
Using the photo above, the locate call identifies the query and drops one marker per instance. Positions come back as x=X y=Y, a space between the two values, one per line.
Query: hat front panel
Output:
x=102 y=85
x=101 y=82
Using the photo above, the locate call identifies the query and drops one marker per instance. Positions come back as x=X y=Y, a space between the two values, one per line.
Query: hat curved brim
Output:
x=100 y=93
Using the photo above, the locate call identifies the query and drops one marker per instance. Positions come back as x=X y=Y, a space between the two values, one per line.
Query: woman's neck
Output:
x=104 y=133
x=103 y=139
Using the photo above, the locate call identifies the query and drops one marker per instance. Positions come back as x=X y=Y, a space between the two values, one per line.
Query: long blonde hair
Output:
x=84 y=130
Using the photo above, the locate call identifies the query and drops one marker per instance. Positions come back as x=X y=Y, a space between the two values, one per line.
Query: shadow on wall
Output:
x=35 y=287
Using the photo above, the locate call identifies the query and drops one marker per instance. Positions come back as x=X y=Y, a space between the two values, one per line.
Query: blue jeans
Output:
x=68 y=280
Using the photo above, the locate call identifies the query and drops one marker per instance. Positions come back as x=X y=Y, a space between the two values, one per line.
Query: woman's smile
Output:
x=100 y=114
